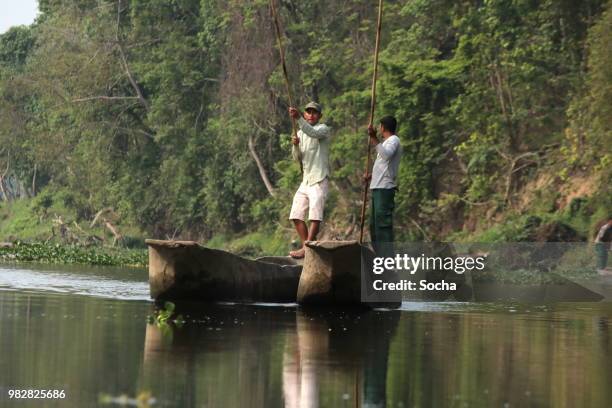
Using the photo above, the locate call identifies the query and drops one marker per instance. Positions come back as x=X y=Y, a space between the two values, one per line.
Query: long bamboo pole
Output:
x=371 y=121
x=281 y=51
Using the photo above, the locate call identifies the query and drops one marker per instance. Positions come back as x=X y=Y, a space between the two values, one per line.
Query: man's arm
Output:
x=386 y=152
x=321 y=132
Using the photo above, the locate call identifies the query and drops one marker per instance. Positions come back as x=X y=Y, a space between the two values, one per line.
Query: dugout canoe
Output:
x=185 y=270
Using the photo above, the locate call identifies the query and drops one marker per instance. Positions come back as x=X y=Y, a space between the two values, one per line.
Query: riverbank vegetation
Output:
x=56 y=253
x=124 y=119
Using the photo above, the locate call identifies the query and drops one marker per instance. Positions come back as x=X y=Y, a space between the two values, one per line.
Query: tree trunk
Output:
x=98 y=215
x=261 y=168
x=34 y=181
x=124 y=62
x=2 y=190
x=503 y=92
x=117 y=236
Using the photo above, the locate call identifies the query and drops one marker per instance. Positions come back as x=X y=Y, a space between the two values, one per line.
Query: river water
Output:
x=84 y=331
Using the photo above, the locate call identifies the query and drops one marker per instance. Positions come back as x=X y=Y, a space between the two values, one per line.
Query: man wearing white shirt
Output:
x=603 y=244
x=384 y=180
x=311 y=147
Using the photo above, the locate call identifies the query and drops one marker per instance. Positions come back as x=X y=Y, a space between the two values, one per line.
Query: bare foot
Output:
x=297 y=254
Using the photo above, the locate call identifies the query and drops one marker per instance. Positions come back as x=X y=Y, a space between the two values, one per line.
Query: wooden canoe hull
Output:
x=185 y=270
x=331 y=276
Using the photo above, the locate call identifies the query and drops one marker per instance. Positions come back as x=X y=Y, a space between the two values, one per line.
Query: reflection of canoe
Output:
x=299 y=355
x=184 y=270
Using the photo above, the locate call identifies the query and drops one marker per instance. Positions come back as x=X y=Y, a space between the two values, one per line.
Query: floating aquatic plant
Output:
x=165 y=316
x=143 y=400
x=71 y=254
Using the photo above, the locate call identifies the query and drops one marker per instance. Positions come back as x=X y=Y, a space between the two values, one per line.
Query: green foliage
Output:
x=144 y=399
x=33 y=219
x=160 y=110
x=255 y=244
x=41 y=218
x=165 y=316
x=588 y=139
x=72 y=254
x=15 y=46
x=517 y=228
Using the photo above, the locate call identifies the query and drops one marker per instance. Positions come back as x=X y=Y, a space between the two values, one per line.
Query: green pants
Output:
x=381 y=218
x=601 y=251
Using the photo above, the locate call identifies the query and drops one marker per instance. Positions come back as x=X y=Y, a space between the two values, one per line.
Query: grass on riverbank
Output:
x=32 y=226
x=581 y=218
x=254 y=244
x=38 y=219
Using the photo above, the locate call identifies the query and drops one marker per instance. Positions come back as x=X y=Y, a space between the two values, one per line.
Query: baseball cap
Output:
x=313 y=105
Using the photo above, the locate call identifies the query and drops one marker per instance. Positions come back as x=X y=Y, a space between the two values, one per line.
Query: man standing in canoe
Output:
x=603 y=244
x=383 y=183
x=311 y=146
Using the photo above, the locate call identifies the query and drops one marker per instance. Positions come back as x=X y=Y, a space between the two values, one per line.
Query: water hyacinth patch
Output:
x=72 y=254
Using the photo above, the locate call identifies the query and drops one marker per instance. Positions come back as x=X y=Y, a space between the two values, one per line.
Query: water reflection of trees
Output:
x=542 y=356
x=474 y=355
x=248 y=356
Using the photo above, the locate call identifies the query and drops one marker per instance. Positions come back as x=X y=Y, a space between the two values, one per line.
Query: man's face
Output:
x=312 y=116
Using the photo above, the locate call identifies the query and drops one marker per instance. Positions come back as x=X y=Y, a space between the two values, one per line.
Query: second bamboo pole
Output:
x=371 y=120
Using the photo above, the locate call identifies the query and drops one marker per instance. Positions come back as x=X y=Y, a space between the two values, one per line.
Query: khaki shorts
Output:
x=311 y=200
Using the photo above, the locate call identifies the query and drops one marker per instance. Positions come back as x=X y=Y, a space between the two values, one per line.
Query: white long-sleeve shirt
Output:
x=604 y=234
x=314 y=149
x=384 y=172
